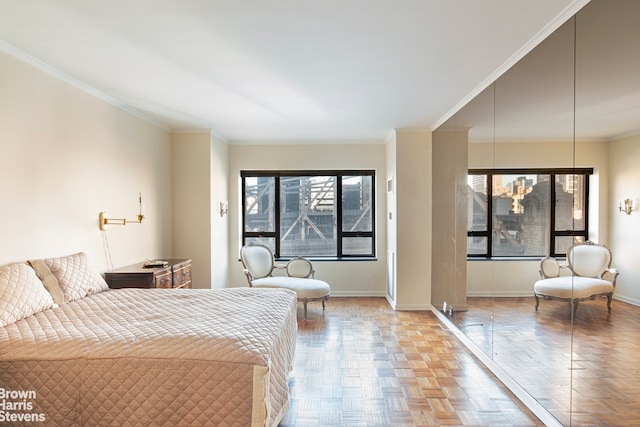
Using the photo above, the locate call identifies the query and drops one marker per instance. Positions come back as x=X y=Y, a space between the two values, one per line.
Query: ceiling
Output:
x=281 y=70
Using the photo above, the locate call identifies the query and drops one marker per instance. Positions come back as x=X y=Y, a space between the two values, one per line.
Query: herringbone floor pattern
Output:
x=360 y=363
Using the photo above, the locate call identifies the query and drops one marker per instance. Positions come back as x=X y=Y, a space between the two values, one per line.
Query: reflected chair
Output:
x=589 y=275
x=259 y=266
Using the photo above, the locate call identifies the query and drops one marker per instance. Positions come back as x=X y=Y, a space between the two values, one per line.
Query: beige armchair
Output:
x=589 y=275
x=259 y=266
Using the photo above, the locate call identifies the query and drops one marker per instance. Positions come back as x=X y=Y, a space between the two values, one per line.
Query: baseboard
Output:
x=356 y=294
x=370 y=294
x=510 y=294
x=391 y=302
x=500 y=294
x=413 y=307
x=632 y=301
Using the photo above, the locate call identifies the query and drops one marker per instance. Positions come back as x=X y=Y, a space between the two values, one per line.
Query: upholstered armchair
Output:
x=259 y=266
x=589 y=275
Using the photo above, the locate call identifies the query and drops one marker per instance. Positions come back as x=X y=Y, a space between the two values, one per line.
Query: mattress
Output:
x=152 y=357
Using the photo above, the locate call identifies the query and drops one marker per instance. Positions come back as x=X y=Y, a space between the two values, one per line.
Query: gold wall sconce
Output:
x=627 y=208
x=104 y=219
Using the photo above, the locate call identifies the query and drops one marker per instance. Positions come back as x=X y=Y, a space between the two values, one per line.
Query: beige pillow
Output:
x=75 y=276
x=49 y=280
x=21 y=293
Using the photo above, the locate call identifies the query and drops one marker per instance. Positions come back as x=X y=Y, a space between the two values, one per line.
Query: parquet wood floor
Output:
x=360 y=363
x=590 y=377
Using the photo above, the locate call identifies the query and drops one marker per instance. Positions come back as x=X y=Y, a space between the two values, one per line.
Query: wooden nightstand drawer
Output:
x=164 y=279
x=176 y=274
x=182 y=275
x=125 y=280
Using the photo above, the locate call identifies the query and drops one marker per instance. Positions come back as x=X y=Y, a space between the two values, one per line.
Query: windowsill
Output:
x=536 y=259
x=330 y=259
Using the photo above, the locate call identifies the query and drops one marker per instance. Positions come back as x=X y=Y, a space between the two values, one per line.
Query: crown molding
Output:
x=72 y=81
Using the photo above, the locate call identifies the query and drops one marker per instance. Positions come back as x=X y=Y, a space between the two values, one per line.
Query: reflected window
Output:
x=310 y=213
x=519 y=218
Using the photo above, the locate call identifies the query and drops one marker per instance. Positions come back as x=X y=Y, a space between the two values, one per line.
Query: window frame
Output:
x=340 y=234
x=553 y=233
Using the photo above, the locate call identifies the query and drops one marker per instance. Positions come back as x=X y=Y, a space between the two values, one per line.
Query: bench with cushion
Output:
x=259 y=265
x=590 y=275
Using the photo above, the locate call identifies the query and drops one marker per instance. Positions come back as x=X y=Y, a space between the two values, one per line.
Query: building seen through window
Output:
x=519 y=218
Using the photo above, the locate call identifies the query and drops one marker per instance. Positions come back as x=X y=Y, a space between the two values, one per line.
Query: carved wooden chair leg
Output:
x=304 y=303
x=574 y=304
x=609 y=297
x=537 y=302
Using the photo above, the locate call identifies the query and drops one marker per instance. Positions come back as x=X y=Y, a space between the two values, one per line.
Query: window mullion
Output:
x=278 y=204
x=585 y=207
x=373 y=217
x=553 y=200
x=244 y=210
x=338 y=224
x=490 y=215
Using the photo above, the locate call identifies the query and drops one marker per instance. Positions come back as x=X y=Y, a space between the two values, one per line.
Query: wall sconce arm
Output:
x=105 y=220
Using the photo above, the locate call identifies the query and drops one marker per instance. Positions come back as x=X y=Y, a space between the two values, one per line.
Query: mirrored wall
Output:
x=562 y=109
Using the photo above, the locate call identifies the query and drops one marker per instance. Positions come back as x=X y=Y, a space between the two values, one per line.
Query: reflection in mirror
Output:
x=449 y=190
x=572 y=103
x=516 y=138
x=477 y=118
x=532 y=130
x=606 y=346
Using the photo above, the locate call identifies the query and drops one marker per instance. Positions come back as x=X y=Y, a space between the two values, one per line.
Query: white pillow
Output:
x=75 y=277
x=21 y=293
x=48 y=280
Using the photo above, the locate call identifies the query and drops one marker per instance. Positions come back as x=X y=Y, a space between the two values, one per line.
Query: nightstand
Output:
x=177 y=274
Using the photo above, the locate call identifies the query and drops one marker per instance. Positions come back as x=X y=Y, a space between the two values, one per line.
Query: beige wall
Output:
x=199 y=185
x=392 y=223
x=413 y=186
x=624 y=158
x=67 y=156
x=515 y=278
x=191 y=198
x=347 y=278
x=219 y=224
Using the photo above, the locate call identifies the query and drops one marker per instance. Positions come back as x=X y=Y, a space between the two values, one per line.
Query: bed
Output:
x=141 y=356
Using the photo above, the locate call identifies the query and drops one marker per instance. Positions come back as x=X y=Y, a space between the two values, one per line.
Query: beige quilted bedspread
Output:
x=148 y=357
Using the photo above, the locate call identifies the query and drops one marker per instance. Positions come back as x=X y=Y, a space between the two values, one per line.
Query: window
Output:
x=519 y=220
x=310 y=213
